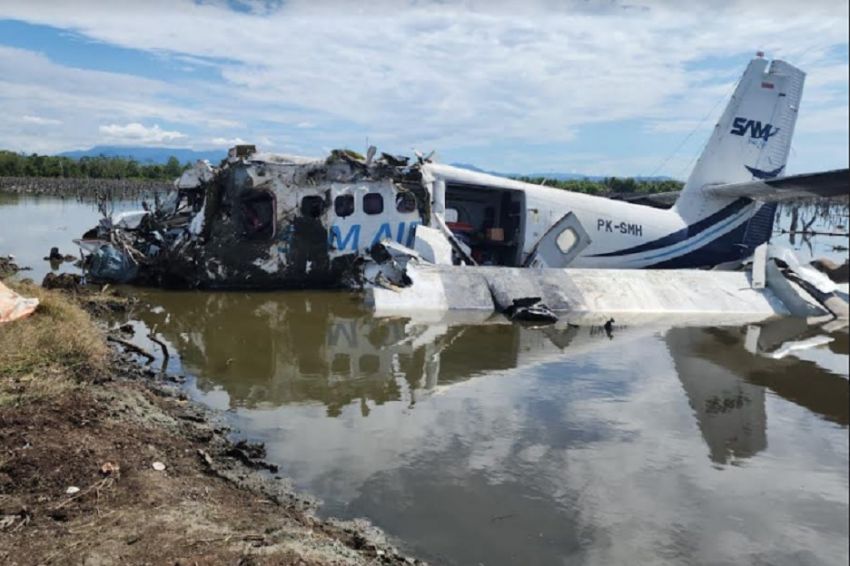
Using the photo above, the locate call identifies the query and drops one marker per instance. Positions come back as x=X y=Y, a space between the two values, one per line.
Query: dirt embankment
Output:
x=104 y=461
x=72 y=187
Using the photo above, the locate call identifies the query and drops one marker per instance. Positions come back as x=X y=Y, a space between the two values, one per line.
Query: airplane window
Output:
x=312 y=206
x=341 y=364
x=258 y=215
x=373 y=203
x=344 y=205
x=405 y=202
x=370 y=363
x=566 y=240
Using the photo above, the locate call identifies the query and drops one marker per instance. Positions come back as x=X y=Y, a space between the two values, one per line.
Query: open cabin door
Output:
x=560 y=245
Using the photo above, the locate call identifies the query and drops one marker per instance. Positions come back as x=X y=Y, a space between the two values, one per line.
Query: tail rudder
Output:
x=753 y=137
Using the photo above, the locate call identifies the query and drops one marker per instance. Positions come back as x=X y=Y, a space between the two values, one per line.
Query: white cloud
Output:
x=227 y=142
x=135 y=132
x=40 y=121
x=32 y=85
x=835 y=119
x=446 y=75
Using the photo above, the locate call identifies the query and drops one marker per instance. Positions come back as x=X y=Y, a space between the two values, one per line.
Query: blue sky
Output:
x=600 y=88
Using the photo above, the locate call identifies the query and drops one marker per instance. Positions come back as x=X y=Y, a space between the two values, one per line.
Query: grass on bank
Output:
x=50 y=351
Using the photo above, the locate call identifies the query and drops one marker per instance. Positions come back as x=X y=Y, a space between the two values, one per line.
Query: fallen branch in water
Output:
x=132 y=347
x=152 y=337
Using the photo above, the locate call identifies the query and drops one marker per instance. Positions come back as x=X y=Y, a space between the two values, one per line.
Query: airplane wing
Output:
x=825 y=184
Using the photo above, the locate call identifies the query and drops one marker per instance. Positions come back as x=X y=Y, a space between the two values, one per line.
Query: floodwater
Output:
x=492 y=443
x=30 y=226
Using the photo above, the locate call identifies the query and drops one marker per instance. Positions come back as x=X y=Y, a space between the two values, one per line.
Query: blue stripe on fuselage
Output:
x=720 y=250
x=736 y=244
x=706 y=235
x=685 y=233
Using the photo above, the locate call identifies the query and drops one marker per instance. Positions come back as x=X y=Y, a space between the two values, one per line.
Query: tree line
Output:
x=609 y=185
x=103 y=167
x=97 y=167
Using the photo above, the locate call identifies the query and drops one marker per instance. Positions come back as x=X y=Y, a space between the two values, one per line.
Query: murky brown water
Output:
x=492 y=443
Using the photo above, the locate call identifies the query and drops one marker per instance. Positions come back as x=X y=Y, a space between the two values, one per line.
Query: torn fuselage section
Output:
x=263 y=221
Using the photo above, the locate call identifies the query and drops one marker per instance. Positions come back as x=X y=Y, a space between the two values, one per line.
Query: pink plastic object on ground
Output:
x=13 y=306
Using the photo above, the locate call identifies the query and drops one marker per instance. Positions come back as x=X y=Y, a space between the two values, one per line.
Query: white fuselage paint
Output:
x=360 y=230
x=616 y=225
x=612 y=225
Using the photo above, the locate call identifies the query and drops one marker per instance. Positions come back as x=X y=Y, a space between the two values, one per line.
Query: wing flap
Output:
x=825 y=184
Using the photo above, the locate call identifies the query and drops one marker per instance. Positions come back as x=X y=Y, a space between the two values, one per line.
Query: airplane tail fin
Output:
x=752 y=139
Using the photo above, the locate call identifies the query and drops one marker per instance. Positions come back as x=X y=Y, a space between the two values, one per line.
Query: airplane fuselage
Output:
x=627 y=235
x=620 y=234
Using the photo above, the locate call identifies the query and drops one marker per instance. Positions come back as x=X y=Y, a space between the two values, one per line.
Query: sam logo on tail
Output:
x=757 y=130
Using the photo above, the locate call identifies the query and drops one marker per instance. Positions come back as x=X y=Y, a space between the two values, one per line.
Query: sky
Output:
x=613 y=87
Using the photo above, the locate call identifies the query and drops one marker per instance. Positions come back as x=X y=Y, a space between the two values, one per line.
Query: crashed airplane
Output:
x=262 y=221
x=272 y=221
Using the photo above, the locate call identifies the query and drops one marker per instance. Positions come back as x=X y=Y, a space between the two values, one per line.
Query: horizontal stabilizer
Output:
x=826 y=184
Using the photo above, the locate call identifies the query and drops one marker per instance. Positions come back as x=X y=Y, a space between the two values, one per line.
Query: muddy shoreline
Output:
x=121 y=467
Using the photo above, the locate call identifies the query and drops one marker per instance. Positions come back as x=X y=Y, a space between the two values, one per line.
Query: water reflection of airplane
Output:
x=725 y=384
x=275 y=349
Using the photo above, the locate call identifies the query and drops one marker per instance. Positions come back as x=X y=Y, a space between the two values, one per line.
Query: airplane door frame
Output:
x=549 y=250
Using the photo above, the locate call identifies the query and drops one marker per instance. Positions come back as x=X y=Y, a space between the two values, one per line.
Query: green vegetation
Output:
x=100 y=167
x=103 y=167
x=610 y=185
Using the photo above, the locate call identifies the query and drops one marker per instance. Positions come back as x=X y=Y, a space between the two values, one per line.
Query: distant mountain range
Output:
x=149 y=154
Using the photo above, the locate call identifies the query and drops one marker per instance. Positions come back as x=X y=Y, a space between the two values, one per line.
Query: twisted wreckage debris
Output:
x=261 y=221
